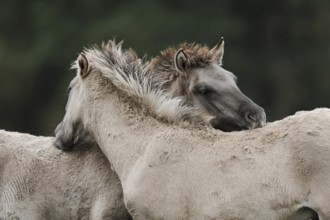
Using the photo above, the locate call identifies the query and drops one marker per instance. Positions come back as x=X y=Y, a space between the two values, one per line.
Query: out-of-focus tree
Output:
x=279 y=49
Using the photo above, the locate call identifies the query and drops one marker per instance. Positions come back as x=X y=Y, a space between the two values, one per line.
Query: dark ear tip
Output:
x=83 y=65
x=180 y=54
x=83 y=55
x=180 y=51
x=82 y=60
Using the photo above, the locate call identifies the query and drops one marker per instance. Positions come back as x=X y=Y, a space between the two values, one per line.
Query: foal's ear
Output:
x=83 y=65
x=218 y=50
x=181 y=61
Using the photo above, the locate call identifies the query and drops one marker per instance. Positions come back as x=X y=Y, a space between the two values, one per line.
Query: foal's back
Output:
x=39 y=181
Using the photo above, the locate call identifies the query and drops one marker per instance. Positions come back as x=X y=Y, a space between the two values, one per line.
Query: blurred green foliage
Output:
x=280 y=50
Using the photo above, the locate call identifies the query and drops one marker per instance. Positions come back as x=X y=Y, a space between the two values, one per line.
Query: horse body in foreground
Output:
x=63 y=187
x=38 y=181
x=170 y=172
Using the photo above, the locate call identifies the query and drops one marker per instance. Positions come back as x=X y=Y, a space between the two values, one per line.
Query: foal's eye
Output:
x=204 y=90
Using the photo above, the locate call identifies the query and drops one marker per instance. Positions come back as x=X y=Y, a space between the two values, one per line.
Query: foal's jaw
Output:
x=63 y=138
x=225 y=125
x=228 y=117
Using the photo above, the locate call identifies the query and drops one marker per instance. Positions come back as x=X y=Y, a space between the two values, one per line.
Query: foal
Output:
x=168 y=172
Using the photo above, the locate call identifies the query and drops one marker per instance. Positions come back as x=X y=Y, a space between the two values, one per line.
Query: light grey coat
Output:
x=39 y=182
x=170 y=172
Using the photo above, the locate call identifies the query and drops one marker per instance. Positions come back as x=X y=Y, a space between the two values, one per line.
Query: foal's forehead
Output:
x=216 y=72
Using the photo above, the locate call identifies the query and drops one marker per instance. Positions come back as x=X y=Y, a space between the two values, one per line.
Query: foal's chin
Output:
x=226 y=125
x=229 y=124
x=63 y=145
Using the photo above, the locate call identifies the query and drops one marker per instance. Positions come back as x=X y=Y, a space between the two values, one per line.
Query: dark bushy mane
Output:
x=163 y=65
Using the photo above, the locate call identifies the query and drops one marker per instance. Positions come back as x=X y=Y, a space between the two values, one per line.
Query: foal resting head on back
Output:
x=195 y=72
x=193 y=77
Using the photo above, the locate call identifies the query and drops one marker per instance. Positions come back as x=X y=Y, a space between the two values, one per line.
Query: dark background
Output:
x=279 y=50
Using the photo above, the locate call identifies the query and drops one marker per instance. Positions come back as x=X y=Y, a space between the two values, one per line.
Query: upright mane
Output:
x=127 y=73
x=163 y=69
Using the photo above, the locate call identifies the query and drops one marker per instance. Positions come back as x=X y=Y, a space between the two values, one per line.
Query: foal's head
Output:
x=71 y=130
x=109 y=76
x=91 y=83
x=196 y=72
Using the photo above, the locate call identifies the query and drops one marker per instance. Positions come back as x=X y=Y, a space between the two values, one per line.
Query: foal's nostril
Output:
x=251 y=117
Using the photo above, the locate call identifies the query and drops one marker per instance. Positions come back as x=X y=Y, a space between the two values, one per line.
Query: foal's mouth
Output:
x=226 y=125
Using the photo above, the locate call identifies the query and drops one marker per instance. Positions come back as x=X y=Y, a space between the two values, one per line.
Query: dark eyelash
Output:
x=204 y=90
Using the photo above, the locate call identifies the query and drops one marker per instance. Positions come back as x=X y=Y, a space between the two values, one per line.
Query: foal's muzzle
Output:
x=255 y=118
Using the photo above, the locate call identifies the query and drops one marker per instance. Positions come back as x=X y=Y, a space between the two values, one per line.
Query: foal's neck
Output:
x=120 y=133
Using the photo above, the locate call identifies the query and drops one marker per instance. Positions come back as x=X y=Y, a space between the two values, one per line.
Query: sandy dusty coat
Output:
x=170 y=172
x=173 y=173
x=38 y=181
